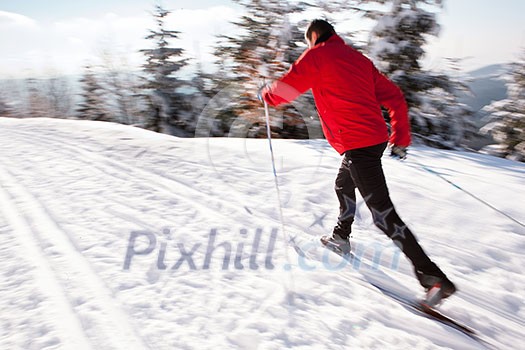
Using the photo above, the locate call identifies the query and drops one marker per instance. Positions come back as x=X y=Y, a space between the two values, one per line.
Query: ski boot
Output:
x=337 y=243
x=437 y=287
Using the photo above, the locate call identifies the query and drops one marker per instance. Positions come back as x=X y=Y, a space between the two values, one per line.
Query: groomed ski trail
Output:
x=87 y=313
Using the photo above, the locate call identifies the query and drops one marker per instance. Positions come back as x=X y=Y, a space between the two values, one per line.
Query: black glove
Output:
x=398 y=152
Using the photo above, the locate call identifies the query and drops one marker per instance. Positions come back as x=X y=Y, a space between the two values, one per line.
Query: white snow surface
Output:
x=73 y=194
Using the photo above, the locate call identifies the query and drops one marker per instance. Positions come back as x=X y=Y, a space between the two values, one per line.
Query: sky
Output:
x=54 y=37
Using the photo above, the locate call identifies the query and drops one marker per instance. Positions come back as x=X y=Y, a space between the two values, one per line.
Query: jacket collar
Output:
x=334 y=38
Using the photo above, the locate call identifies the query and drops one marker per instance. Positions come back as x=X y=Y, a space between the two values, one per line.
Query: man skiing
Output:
x=349 y=92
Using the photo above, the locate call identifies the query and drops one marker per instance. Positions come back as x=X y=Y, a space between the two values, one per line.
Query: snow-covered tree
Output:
x=447 y=122
x=93 y=104
x=262 y=51
x=163 y=62
x=125 y=98
x=397 y=47
x=507 y=117
x=339 y=12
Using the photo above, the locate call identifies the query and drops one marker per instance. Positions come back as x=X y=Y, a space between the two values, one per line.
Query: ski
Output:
x=420 y=307
x=416 y=305
x=381 y=282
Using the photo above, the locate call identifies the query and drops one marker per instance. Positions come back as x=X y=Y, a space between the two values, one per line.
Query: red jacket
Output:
x=348 y=92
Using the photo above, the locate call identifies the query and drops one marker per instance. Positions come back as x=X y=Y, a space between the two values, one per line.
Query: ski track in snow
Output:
x=50 y=303
x=87 y=307
x=156 y=180
x=70 y=197
x=124 y=172
x=121 y=172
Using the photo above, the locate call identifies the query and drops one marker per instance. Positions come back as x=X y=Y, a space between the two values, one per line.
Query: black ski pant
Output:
x=362 y=169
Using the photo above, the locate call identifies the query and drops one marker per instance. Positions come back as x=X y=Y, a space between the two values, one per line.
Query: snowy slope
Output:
x=211 y=270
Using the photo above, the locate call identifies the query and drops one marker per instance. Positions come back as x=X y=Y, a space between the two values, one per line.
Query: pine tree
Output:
x=396 y=46
x=264 y=50
x=92 y=106
x=163 y=62
x=507 y=117
x=447 y=122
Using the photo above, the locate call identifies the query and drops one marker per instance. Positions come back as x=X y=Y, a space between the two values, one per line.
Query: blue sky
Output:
x=60 y=36
x=489 y=31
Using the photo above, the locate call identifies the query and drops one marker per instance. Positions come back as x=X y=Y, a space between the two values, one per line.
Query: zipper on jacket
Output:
x=327 y=126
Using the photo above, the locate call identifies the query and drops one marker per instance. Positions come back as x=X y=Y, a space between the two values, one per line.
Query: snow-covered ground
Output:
x=114 y=237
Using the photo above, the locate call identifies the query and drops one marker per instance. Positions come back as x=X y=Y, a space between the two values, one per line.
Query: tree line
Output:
x=224 y=103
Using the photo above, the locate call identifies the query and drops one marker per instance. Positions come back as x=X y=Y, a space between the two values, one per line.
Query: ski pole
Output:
x=281 y=216
x=465 y=191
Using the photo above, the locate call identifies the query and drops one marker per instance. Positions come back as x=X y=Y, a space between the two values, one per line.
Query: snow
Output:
x=79 y=197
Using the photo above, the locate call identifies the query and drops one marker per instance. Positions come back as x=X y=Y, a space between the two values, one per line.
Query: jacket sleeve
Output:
x=391 y=97
x=299 y=79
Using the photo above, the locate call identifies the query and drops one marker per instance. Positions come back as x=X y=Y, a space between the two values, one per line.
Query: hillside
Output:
x=119 y=238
